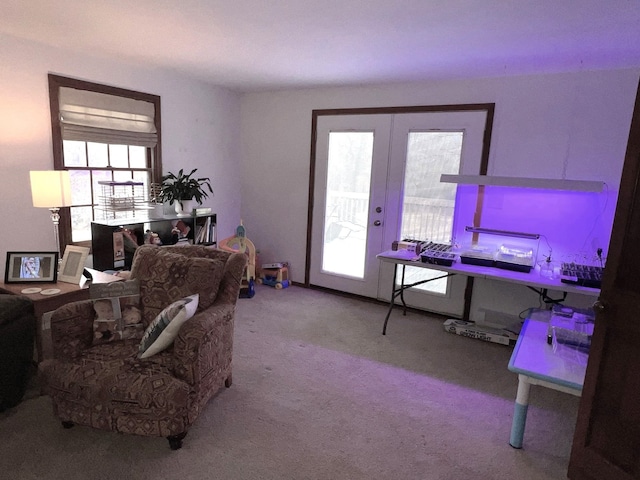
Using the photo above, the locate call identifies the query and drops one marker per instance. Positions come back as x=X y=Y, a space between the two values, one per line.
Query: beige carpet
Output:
x=319 y=393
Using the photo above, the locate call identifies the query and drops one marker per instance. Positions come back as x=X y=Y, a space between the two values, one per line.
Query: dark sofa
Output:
x=17 y=334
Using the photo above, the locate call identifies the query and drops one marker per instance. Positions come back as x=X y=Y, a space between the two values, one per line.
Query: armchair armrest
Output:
x=72 y=329
x=231 y=280
x=204 y=345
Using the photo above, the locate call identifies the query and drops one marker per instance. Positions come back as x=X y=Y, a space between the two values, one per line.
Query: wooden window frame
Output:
x=55 y=83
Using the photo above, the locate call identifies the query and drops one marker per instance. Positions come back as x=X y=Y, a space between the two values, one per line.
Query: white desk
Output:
x=536 y=364
x=531 y=280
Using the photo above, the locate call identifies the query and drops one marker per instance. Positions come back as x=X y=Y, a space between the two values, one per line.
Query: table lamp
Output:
x=51 y=189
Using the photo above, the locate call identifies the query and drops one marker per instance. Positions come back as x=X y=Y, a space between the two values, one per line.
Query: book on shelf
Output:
x=207 y=227
x=198 y=234
x=201 y=211
x=203 y=232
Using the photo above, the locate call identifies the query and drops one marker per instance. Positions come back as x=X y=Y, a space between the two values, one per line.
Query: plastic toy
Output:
x=239 y=243
x=275 y=277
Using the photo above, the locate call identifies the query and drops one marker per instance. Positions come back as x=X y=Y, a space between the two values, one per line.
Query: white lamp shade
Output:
x=50 y=188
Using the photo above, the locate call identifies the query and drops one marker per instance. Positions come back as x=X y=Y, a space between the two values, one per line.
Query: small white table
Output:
x=535 y=362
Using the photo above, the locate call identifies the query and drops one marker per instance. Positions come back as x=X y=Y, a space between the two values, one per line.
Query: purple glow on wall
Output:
x=571 y=222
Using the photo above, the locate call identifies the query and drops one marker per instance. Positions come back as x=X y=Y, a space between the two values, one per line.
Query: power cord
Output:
x=544 y=237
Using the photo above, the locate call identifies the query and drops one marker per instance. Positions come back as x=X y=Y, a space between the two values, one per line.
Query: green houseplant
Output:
x=183 y=187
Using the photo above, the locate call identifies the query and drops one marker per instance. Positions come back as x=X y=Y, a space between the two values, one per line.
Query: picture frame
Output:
x=72 y=264
x=31 y=267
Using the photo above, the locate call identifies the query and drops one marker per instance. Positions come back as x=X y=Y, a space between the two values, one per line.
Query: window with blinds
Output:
x=101 y=134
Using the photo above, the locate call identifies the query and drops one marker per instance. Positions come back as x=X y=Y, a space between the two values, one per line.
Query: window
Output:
x=101 y=134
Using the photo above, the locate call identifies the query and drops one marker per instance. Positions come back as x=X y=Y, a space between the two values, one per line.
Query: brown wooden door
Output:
x=606 y=444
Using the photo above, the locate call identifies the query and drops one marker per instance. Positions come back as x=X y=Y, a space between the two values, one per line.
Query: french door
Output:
x=348 y=222
x=376 y=180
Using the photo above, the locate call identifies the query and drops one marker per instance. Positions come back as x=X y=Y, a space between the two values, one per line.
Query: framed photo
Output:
x=72 y=264
x=31 y=267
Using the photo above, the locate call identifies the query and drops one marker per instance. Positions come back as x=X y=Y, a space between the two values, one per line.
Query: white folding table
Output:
x=532 y=280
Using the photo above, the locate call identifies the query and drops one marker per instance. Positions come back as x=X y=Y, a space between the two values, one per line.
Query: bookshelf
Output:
x=113 y=242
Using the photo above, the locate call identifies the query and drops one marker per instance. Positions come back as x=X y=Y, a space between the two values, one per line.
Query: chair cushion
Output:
x=164 y=328
x=110 y=388
x=118 y=313
x=166 y=277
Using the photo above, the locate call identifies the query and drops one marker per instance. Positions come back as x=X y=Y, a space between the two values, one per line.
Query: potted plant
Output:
x=184 y=187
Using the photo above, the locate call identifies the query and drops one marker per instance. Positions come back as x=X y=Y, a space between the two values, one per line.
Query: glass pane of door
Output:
x=349 y=211
x=427 y=204
x=347 y=203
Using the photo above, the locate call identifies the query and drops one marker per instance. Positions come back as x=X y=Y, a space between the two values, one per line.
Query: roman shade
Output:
x=98 y=117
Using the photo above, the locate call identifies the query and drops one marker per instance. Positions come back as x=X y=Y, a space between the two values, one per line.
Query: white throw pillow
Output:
x=164 y=329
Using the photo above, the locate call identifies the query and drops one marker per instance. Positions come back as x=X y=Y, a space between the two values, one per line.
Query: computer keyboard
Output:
x=583 y=275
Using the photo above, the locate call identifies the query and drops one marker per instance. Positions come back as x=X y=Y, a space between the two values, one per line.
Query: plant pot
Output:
x=157 y=211
x=184 y=207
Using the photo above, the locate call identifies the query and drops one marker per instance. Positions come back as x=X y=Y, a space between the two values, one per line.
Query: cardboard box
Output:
x=471 y=330
x=409 y=246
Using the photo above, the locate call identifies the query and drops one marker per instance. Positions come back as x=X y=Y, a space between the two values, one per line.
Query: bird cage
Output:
x=122 y=199
x=156 y=206
x=155 y=194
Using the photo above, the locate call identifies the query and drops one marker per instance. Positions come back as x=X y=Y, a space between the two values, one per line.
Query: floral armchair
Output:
x=108 y=386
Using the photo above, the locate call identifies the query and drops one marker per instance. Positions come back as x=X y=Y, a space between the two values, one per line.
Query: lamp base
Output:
x=55 y=218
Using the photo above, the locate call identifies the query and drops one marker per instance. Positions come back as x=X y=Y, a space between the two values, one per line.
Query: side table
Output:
x=47 y=303
x=535 y=363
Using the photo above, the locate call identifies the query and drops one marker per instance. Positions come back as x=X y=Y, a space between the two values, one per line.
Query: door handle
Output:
x=599 y=306
x=377 y=223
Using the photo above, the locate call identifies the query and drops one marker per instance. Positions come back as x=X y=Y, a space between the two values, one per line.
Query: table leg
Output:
x=404 y=305
x=520 y=412
x=393 y=296
x=399 y=292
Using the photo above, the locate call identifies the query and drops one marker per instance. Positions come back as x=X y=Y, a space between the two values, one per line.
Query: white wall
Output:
x=548 y=126
x=200 y=129
x=545 y=126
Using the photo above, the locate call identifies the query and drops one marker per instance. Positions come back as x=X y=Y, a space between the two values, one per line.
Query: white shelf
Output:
x=542 y=183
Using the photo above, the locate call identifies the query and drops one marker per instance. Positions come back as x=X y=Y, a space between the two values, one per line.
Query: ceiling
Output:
x=256 y=45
